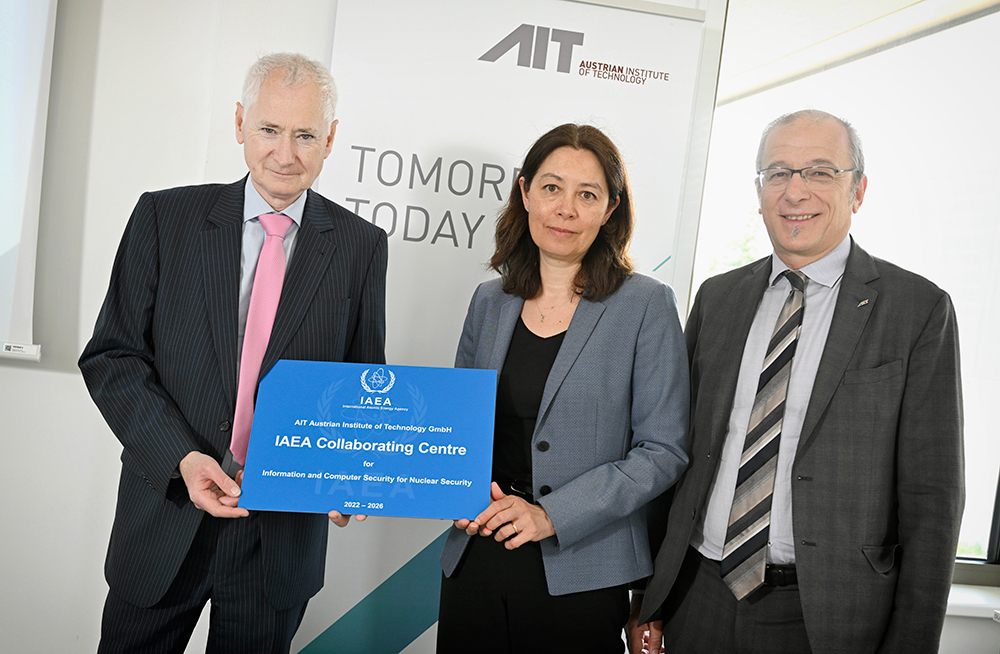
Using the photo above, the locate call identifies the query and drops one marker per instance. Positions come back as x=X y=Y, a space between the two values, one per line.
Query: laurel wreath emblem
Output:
x=364 y=381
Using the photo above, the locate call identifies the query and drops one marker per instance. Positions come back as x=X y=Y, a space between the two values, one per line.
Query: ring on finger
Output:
x=515 y=528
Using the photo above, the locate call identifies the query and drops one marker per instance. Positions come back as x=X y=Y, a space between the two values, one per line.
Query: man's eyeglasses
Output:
x=812 y=177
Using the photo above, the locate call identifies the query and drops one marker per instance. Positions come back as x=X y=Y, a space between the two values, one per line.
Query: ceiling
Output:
x=768 y=43
x=761 y=32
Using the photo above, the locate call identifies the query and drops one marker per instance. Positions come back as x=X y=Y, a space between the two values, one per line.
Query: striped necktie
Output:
x=745 y=554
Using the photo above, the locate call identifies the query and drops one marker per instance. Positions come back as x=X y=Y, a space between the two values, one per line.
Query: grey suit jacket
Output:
x=611 y=429
x=878 y=477
x=162 y=363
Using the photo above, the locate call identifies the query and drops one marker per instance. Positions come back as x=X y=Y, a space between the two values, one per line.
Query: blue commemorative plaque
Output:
x=372 y=439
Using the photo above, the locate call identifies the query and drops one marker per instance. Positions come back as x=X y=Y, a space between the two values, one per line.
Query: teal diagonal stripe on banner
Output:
x=409 y=599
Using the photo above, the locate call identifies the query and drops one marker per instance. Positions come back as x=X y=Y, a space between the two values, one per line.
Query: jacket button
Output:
x=543 y=446
x=225 y=425
x=544 y=490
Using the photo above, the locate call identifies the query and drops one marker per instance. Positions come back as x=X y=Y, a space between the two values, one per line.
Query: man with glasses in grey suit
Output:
x=821 y=509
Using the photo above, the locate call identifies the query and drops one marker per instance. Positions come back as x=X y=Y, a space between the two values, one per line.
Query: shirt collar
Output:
x=254 y=205
x=825 y=270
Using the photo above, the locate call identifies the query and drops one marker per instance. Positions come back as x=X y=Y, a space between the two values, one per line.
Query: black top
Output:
x=519 y=395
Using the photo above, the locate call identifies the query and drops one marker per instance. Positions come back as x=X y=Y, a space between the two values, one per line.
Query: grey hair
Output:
x=815 y=115
x=298 y=70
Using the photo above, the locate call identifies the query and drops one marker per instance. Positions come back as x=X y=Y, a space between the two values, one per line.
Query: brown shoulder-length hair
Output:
x=607 y=263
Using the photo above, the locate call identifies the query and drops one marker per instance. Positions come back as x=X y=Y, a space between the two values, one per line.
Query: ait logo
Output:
x=532 y=43
x=379 y=381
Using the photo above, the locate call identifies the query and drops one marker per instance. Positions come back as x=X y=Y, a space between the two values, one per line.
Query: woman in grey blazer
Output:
x=592 y=412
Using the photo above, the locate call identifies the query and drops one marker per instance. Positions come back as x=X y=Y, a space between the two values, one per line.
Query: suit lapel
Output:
x=580 y=328
x=854 y=306
x=221 y=244
x=727 y=356
x=314 y=250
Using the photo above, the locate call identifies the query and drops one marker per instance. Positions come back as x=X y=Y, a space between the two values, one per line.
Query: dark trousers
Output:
x=497 y=601
x=224 y=564
x=701 y=615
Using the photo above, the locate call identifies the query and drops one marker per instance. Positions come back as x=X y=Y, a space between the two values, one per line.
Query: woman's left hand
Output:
x=510 y=518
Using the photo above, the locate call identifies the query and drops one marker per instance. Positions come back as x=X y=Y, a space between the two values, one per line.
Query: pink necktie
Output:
x=264 y=298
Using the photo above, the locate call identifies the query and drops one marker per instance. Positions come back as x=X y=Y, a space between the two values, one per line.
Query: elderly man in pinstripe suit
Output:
x=165 y=359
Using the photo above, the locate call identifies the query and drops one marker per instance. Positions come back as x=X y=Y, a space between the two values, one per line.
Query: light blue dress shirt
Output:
x=253 y=240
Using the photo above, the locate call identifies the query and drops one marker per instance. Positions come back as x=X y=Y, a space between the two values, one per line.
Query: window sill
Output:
x=973 y=601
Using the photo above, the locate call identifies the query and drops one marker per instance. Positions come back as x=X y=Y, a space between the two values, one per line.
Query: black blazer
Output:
x=162 y=363
x=878 y=478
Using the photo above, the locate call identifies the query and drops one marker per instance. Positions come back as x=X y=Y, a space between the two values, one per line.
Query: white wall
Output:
x=143 y=95
x=966 y=635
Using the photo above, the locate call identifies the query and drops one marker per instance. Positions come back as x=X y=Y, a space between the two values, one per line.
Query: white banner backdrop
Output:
x=440 y=102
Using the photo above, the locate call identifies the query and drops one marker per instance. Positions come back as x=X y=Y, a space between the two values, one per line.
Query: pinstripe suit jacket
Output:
x=878 y=477
x=162 y=365
x=611 y=430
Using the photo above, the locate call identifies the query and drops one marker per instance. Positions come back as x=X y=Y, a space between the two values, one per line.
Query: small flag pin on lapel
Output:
x=862 y=303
